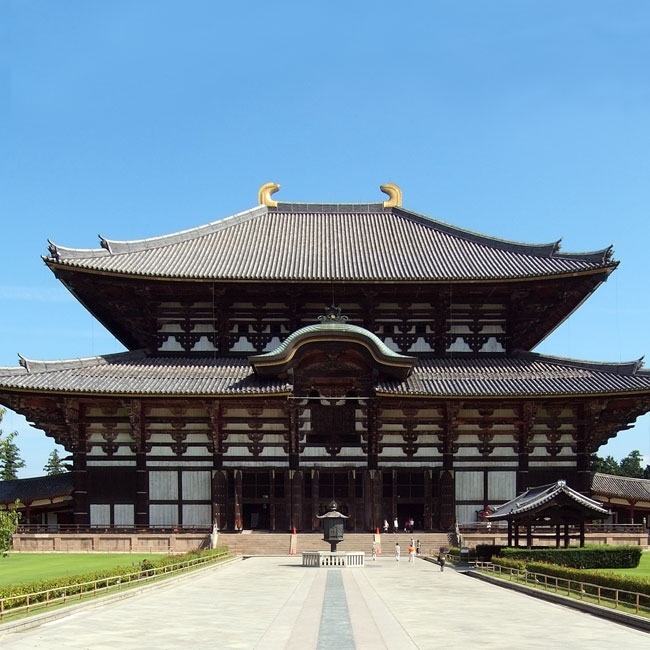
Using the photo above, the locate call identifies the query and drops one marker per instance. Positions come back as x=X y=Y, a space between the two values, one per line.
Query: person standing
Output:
x=417 y=547
x=397 y=551
x=411 y=553
x=385 y=526
x=441 y=559
x=395 y=525
x=374 y=550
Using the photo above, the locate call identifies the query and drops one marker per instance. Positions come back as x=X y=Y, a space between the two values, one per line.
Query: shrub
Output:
x=485 y=552
x=589 y=557
x=107 y=577
x=605 y=579
x=509 y=563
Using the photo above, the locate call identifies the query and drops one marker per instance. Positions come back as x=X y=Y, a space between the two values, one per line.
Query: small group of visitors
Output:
x=409 y=525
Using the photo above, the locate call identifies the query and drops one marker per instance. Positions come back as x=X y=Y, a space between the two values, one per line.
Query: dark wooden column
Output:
x=586 y=431
x=135 y=409
x=314 y=499
x=219 y=476
x=238 y=518
x=428 y=500
x=297 y=490
x=524 y=443
x=446 y=485
x=372 y=429
x=78 y=443
x=220 y=498
x=293 y=447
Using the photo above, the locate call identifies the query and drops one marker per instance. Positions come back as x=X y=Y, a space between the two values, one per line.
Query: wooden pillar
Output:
x=509 y=532
x=315 y=521
x=238 y=514
x=297 y=491
x=219 y=498
x=447 y=482
x=582 y=533
x=135 y=409
x=351 y=523
x=293 y=447
x=558 y=535
x=77 y=431
x=516 y=525
x=529 y=534
x=524 y=446
x=372 y=427
x=566 y=535
x=428 y=500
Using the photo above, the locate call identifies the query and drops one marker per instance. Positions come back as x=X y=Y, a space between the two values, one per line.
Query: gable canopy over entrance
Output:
x=333 y=348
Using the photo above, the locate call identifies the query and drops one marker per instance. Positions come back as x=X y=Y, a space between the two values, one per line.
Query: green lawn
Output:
x=643 y=570
x=17 y=568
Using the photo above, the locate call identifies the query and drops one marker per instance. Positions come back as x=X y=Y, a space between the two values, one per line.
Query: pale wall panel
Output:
x=163 y=486
x=123 y=514
x=197 y=486
x=502 y=486
x=469 y=485
x=197 y=515
x=163 y=515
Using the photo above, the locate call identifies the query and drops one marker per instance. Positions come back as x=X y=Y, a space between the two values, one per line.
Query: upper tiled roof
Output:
x=133 y=373
x=539 y=497
x=40 y=487
x=331 y=242
x=620 y=486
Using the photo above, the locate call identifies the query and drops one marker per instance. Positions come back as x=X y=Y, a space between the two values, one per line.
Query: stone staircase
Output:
x=265 y=543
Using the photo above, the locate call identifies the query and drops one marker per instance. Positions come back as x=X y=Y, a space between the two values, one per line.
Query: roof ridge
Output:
x=617 y=367
x=551 y=249
x=37 y=365
x=116 y=246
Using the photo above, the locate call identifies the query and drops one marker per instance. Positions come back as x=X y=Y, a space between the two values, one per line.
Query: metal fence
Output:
x=35 y=601
x=634 y=601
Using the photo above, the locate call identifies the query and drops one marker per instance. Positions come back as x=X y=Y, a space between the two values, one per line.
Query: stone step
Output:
x=280 y=543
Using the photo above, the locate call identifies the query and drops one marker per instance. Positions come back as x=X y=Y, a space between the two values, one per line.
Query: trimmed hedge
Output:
x=508 y=563
x=108 y=577
x=485 y=552
x=593 y=557
x=604 y=579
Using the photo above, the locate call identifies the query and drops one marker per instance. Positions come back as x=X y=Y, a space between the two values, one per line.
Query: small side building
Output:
x=44 y=501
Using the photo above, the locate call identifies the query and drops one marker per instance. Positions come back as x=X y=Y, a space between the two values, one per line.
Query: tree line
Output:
x=631 y=465
x=11 y=461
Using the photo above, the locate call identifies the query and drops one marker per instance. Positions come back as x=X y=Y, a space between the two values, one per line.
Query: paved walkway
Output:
x=275 y=604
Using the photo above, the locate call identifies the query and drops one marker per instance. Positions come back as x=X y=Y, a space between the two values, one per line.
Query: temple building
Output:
x=298 y=352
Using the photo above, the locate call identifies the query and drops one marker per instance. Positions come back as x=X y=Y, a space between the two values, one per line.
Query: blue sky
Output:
x=523 y=119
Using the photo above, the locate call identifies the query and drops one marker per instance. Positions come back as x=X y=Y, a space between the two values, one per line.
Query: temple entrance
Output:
x=415 y=511
x=256 y=516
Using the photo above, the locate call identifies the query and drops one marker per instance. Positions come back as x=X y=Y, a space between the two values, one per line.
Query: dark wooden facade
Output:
x=184 y=431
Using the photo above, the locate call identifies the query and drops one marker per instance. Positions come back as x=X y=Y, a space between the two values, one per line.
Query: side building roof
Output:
x=39 y=487
x=329 y=242
x=625 y=487
x=135 y=373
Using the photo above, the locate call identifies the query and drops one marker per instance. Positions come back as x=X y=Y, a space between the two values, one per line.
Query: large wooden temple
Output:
x=296 y=353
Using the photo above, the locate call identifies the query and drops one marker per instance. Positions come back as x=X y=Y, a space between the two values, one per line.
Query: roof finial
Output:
x=333 y=315
x=394 y=195
x=264 y=195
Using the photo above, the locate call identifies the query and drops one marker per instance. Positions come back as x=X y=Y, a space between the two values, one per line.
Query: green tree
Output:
x=10 y=460
x=607 y=465
x=55 y=464
x=631 y=465
x=8 y=525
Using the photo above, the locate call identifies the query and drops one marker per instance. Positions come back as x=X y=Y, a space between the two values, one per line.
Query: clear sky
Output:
x=527 y=120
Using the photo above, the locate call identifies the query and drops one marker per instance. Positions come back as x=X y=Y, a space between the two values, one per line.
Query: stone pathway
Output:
x=275 y=604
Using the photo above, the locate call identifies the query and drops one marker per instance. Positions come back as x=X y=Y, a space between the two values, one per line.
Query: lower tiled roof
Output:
x=620 y=486
x=135 y=373
x=40 y=487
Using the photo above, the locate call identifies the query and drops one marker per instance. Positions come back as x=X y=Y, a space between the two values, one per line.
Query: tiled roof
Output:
x=537 y=497
x=40 y=487
x=332 y=242
x=620 y=486
x=135 y=373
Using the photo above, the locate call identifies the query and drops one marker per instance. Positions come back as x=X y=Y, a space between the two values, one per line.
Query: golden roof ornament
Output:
x=264 y=195
x=394 y=195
